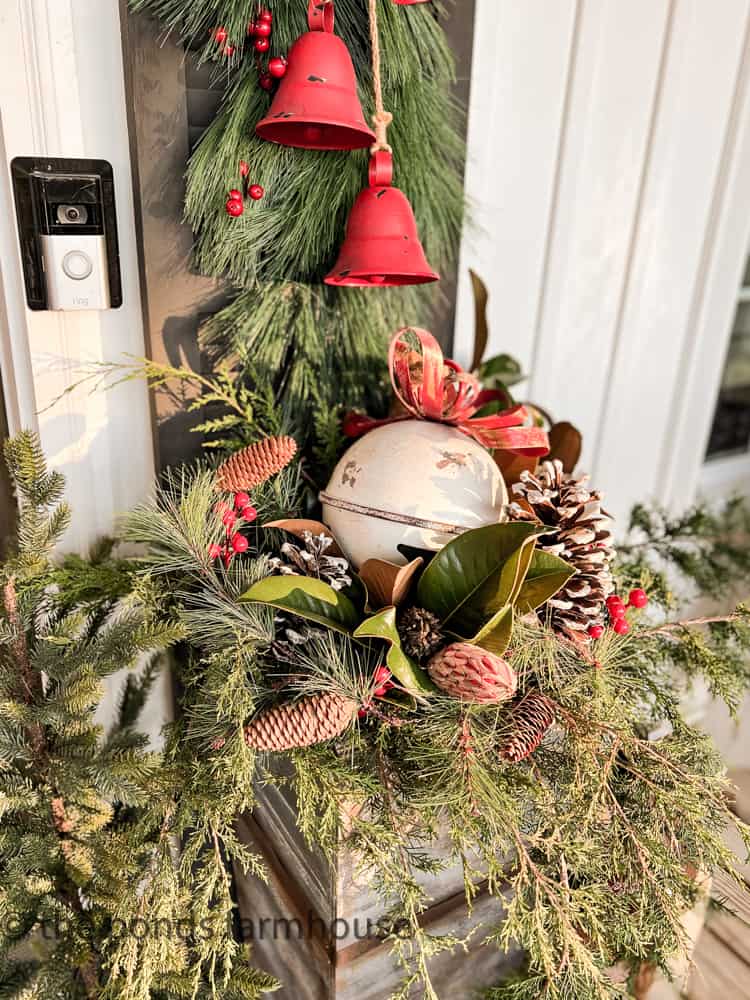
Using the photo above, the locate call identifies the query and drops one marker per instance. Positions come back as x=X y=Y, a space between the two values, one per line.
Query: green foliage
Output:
x=89 y=818
x=706 y=547
x=315 y=346
x=588 y=844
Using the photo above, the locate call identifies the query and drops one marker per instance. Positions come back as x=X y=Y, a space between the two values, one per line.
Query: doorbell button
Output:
x=77 y=265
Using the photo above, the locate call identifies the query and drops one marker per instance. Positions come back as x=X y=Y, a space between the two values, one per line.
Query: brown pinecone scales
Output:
x=420 y=633
x=531 y=718
x=579 y=533
x=302 y=723
x=255 y=464
x=471 y=673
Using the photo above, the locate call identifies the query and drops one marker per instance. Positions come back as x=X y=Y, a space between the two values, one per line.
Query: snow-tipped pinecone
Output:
x=472 y=674
x=302 y=723
x=530 y=719
x=420 y=633
x=255 y=464
x=311 y=559
x=579 y=533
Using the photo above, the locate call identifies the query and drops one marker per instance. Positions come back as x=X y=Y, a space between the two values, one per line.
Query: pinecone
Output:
x=420 y=633
x=530 y=718
x=301 y=723
x=579 y=533
x=311 y=560
x=255 y=464
x=472 y=674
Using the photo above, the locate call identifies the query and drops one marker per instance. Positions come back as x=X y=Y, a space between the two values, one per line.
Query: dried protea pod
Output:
x=472 y=674
x=256 y=463
x=530 y=720
x=420 y=633
x=579 y=532
x=302 y=723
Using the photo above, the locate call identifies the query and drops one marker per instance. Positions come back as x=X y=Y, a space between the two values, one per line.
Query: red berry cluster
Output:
x=233 y=518
x=383 y=684
x=259 y=31
x=617 y=611
x=236 y=199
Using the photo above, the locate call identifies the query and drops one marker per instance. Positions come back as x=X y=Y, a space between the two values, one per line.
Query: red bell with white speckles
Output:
x=317 y=105
x=382 y=245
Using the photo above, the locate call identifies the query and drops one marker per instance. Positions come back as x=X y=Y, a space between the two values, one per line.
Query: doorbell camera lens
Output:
x=72 y=215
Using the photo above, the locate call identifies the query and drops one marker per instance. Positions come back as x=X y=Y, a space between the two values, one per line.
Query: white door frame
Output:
x=62 y=93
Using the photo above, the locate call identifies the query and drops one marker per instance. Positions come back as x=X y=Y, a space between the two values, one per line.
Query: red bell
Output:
x=382 y=245
x=316 y=105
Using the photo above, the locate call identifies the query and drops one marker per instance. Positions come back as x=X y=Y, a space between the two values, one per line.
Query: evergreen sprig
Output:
x=591 y=845
x=95 y=900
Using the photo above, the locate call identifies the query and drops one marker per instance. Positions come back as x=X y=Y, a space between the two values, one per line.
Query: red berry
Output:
x=229 y=518
x=262 y=29
x=266 y=81
x=214 y=551
x=244 y=168
x=220 y=34
x=265 y=15
x=235 y=207
x=241 y=500
x=262 y=45
x=638 y=598
x=240 y=543
x=228 y=50
x=249 y=513
x=381 y=691
x=596 y=631
x=617 y=611
x=256 y=192
x=382 y=674
x=277 y=66
x=235 y=195
x=251 y=29
x=362 y=713
x=621 y=626
x=613 y=601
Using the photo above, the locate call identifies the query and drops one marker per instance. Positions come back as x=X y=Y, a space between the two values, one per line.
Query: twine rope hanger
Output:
x=382 y=118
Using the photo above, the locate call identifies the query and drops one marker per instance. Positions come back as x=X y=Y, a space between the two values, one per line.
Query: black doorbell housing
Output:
x=68 y=233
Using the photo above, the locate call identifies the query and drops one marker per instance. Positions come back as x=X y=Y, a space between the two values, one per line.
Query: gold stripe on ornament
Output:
x=384 y=515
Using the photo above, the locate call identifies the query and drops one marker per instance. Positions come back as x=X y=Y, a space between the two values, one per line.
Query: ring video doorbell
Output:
x=68 y=233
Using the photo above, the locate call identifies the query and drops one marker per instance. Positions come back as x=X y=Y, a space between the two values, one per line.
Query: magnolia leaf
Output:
x=565 y=443
x=386 y=582
x=306 y=597
x=500 y=371
x=546 y=575
x=481 y=328
x=405 y=670
x=477 y=574
x=495 y=635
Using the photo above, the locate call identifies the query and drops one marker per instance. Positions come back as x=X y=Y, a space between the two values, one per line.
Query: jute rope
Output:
x=382 y=118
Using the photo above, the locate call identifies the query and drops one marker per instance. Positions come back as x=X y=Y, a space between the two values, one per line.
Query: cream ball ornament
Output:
x=412 y=482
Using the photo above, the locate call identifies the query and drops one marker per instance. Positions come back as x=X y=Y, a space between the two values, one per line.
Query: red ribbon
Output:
x=430 y=387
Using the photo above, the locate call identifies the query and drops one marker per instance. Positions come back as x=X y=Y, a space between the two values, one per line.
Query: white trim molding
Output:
x=62 y=93
x=608 y=175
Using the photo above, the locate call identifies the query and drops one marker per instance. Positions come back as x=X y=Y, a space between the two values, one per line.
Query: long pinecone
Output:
x=301 y=723
x=530 y=718
x=255 y=464
x=311 y=559
x=420 y=633
x=578 y=532
x=472 y=674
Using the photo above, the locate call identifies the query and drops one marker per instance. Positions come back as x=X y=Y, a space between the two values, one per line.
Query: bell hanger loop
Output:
x=320 y=15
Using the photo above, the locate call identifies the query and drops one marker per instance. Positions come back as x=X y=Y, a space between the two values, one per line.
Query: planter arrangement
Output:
x=417 y=681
